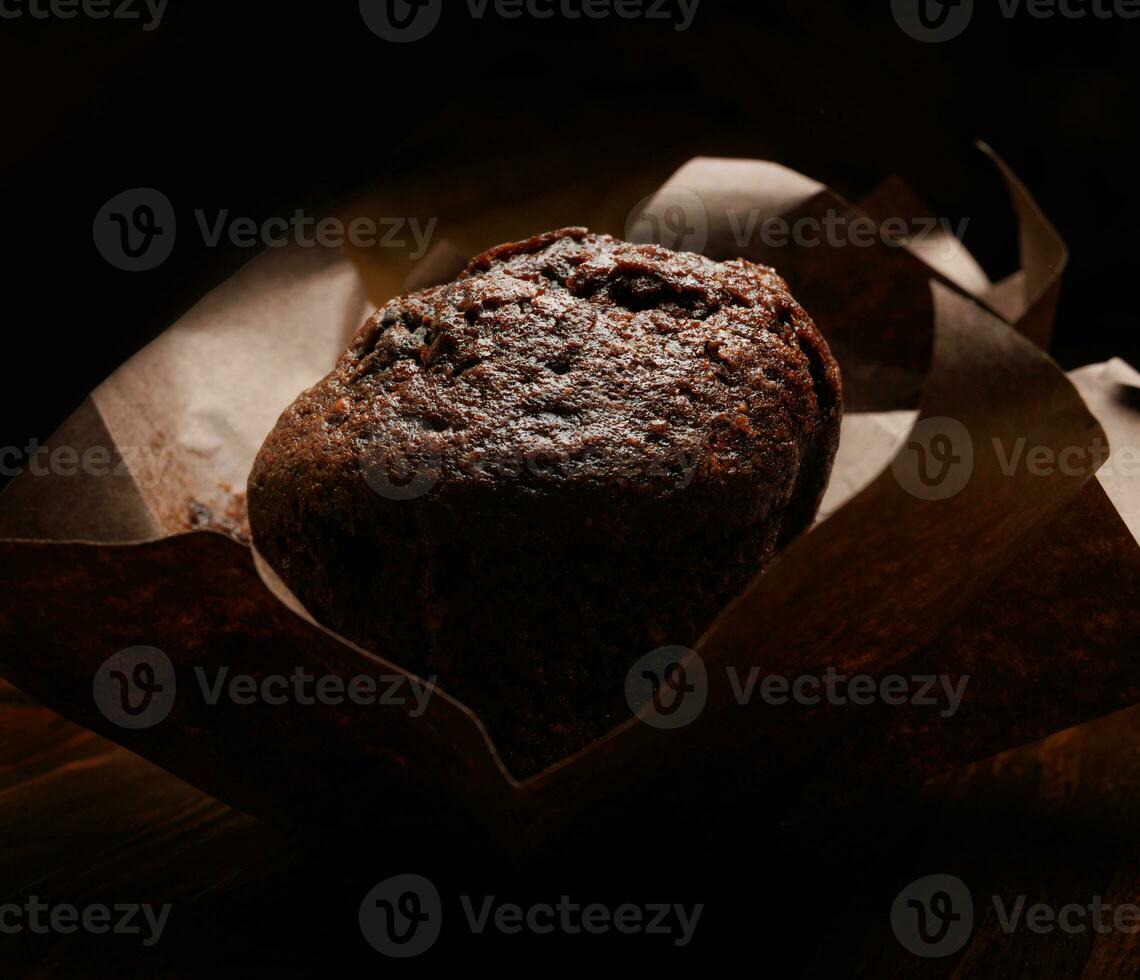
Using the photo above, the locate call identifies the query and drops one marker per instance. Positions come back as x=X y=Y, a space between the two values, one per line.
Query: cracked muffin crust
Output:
x=524 y=480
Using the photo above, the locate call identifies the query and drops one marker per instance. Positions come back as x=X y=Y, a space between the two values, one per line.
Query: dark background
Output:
x=265 y=107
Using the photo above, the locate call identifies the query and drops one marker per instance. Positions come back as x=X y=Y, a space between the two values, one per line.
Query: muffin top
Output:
x=578 y=360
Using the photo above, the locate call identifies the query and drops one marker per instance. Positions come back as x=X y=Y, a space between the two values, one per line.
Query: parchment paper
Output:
x=1026 y=582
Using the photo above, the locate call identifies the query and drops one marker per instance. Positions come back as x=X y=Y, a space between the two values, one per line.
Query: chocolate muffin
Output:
x=524 y=480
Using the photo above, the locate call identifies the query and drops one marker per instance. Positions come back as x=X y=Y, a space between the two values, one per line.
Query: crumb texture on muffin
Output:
x=523 y=480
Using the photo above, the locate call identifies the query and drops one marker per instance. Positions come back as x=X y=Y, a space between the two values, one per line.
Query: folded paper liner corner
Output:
x=1027 y=580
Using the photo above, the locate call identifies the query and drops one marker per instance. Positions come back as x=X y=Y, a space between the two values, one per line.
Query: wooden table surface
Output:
x=84 y=821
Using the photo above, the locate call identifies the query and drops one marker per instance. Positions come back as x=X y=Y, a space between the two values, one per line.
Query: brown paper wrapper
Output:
x=1027 y=583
